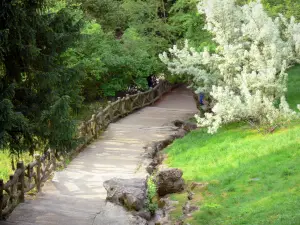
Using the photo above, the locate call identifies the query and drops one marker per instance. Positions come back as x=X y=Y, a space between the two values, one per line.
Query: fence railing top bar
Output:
x=13 y=178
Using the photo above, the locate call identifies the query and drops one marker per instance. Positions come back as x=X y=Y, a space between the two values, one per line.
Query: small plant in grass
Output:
x=151 y=195
x=67 y=161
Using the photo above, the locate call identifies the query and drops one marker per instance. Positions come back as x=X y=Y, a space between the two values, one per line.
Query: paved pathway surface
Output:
x=75 y=196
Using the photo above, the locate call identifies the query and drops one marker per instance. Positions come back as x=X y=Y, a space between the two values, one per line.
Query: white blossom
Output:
x=247 y=74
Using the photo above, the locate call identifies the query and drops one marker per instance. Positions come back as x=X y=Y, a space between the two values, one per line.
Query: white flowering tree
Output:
x=247 y=73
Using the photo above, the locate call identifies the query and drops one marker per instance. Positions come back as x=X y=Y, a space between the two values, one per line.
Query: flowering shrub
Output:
x=246 y=75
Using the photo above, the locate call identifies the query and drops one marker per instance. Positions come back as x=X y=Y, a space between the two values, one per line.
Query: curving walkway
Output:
x=75 y=196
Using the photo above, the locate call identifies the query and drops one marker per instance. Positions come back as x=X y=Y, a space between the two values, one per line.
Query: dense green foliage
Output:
x=36 y=89
x=286 y=7
x=185 y=22
x=293 y=87
x=253 y=178
x=55 y=54
x=110 y=65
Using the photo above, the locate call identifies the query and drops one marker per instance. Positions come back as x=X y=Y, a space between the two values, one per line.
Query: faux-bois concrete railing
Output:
x=31 y=176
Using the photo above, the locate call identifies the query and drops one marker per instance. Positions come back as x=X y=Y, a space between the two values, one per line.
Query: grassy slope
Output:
x=253 y=178
x=5 y=163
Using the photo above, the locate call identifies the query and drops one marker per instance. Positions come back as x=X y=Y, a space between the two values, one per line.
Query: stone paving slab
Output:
x=76 y=196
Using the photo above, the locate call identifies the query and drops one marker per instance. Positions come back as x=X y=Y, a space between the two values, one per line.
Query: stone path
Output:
x=75 y=196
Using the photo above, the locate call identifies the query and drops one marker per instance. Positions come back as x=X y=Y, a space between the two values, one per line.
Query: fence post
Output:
x=12 y=189
x=151 y=96
x=119 y=105
x=94 y=126
x=123 y=110
x=160 y=90
x=38 y=172
x=82 y=128
x=140 y=100
x=110 y=111
x=144 y=97
x=28 y=168
x=100 y=119
x=21 y=179
x=53 y=159
x=1 y=198
x=128 y=103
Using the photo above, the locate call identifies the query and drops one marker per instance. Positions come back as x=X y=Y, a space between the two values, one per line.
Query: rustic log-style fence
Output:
x=31 y=176
x=24 y=180
x=120 y=108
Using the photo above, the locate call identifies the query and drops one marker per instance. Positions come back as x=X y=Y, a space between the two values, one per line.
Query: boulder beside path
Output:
x=169 y=181
x=130 y=193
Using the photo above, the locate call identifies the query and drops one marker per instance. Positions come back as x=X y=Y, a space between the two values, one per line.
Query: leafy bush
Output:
x=151 y=194
x=247 y=73
x=110 y=65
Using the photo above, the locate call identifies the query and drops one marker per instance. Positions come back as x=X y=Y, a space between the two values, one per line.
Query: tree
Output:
x=246 y=76
x=288 y=8
x=37 y=91
x=111 y=65
x=186 y=23
x=108 y=13
x=119 y=46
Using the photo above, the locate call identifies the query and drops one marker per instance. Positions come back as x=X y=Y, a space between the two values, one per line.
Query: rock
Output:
x=150 y=169
x=160 y=218
x=150 y=151
x=136 y=220
x=162 y=144
x=169 y=181
x=190 y=195
x=115 y=215
x=163 y=221
x=143 y=214
x=179 y=222
x=180 y=134
x=159 y=214
x=162 y=202
x=188 y=126
x=178 y=123
x=130 y=193
x=156 y=161
x=188 y=208
x=185 y=208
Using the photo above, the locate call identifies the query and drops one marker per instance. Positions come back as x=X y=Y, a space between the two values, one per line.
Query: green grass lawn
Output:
x=253 y=178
